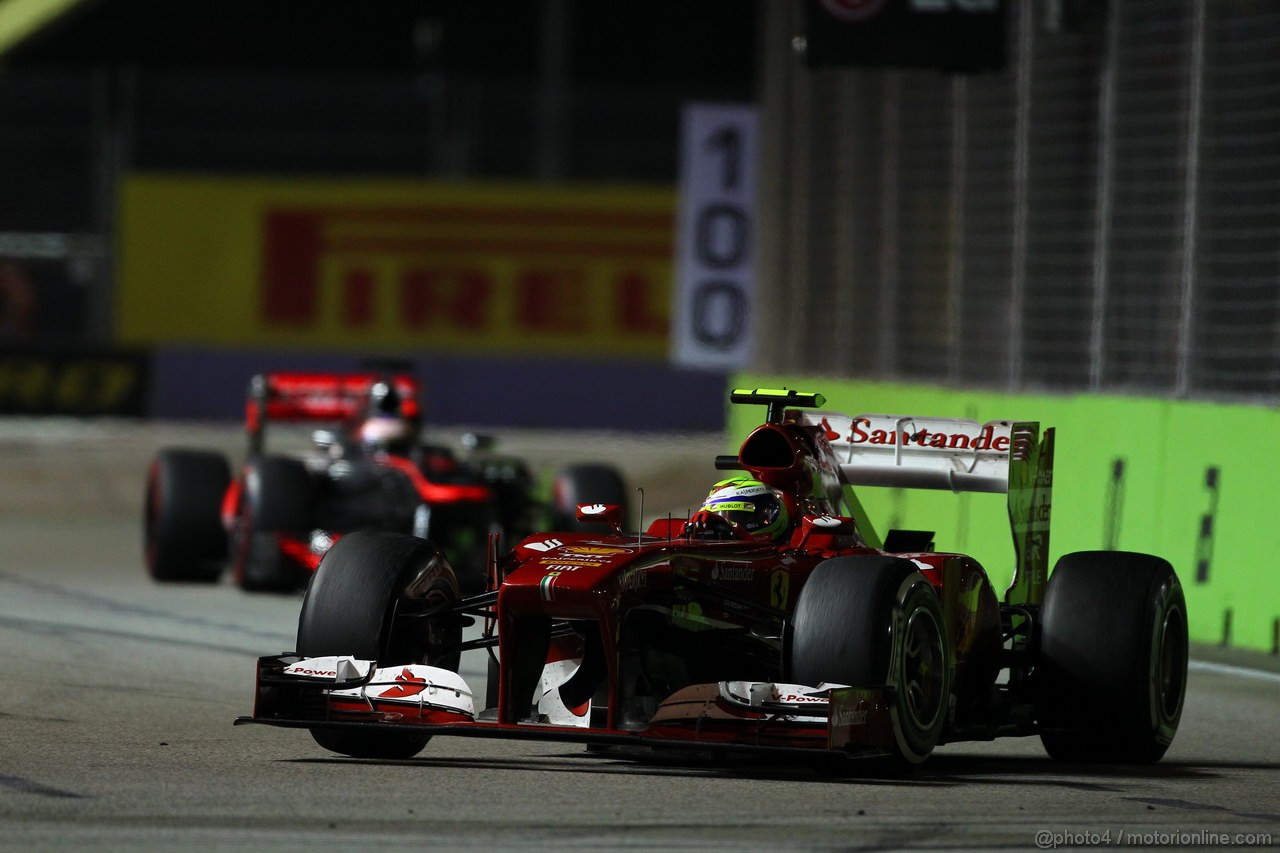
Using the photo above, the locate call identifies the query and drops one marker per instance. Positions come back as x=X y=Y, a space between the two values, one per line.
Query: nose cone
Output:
x=567 y=580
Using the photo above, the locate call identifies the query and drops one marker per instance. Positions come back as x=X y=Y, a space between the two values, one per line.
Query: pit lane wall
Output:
x=519 y=304
x=1191 y=482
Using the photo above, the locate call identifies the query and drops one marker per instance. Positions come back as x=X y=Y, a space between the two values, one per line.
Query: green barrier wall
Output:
x=1195 y=483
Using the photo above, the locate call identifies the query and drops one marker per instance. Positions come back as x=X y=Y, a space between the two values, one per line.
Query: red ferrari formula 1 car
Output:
x=278 y=516
x=774 y=619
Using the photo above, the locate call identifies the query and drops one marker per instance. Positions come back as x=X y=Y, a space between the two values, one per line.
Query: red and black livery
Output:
x=827 y=644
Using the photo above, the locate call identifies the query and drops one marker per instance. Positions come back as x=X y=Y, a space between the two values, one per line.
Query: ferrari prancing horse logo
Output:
x=779 y=588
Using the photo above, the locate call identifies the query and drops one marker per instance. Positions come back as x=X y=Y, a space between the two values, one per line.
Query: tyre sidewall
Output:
x=350 y=607
x=1169 y=627
x=918 y=732
x=1111 y=625
x=350 y=604
x=850 y=627
x=183 y=538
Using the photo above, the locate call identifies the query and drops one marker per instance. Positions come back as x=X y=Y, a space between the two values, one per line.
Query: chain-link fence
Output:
x=1101 y=215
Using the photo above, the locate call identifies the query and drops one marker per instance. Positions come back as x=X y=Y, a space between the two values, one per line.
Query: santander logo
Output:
x=863 y=432
x=409 y=685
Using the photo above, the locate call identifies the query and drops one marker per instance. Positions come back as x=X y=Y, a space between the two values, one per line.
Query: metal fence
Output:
x=1102 y=215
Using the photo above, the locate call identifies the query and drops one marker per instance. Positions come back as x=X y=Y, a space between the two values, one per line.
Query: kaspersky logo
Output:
x=407 y=684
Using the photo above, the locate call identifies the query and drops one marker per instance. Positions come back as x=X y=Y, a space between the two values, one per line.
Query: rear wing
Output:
x=1002 y=457
x=292 y=396
x=921 y=453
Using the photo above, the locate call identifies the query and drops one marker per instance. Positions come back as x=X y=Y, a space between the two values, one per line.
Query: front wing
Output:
x=729 y=716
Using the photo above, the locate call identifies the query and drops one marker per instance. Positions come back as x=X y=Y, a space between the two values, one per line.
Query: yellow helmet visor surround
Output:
x=748 y=504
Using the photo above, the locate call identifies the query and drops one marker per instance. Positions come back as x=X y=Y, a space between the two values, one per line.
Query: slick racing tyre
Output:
x=1112 y=671
x=873 y=621
x=277 y=499
x=182 y=525
x=583 y=484
x=362 y=602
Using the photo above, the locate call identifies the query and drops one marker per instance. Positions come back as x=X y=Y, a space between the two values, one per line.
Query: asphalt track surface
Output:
x=117 y=697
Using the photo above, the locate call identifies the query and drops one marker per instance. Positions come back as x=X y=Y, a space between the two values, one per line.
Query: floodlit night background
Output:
x=1060 y=211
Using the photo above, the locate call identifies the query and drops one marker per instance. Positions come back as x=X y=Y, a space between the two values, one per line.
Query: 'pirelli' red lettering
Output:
x=290 y=266
x=390 y=271
x=633 y=312
x=357 y=298
x=552 y=300
x=452 y=297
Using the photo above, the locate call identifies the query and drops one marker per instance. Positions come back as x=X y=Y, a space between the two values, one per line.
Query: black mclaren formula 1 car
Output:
x=276 y=518
x=773 y=620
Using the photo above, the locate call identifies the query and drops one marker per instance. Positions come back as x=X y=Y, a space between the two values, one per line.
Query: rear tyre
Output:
x=1112 y=672
x=359 y=603
x=183 y=537
x=870 y=621
x=278 y=499
x=584 y=484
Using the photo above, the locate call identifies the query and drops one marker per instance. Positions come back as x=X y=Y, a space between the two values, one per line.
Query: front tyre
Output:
x=183 y=538
x=361 y=602
x=871 y=621
x=1112 y=672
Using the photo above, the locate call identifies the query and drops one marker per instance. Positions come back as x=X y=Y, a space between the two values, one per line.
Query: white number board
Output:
x=715 y=239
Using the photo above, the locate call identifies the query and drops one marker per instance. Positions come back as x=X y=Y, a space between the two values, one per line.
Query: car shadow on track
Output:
x=939 y=771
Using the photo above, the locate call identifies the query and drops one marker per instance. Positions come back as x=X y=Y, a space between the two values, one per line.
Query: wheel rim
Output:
x=441 y=639
x=407 y=636
x=923 y=669
x=1172 y=662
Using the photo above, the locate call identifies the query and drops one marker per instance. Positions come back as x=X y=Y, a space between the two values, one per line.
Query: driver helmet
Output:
x=383 y=434
x=749 y=506
x=385 y=429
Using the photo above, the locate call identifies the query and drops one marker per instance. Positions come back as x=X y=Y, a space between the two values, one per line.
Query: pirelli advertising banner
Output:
x=394 y=266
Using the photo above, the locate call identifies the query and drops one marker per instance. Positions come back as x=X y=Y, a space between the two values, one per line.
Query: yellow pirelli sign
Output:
x=395 y=266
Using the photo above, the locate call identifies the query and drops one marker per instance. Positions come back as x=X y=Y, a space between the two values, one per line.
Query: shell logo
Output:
x=594 y=550
x=407 y=684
